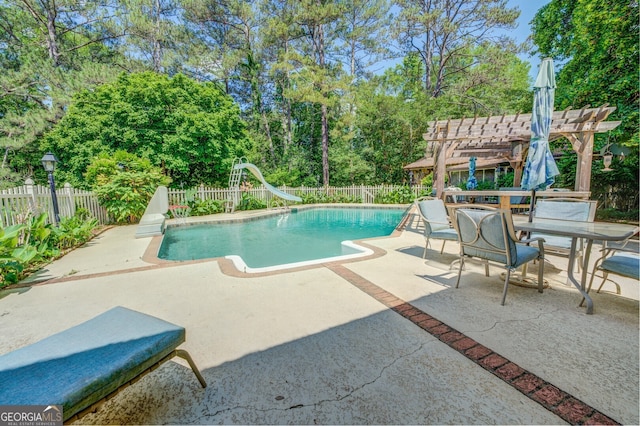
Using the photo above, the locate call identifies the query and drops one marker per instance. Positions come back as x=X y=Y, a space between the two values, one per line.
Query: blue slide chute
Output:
x=275 y=191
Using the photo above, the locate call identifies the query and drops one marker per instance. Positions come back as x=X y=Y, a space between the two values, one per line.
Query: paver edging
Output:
x=559 y=402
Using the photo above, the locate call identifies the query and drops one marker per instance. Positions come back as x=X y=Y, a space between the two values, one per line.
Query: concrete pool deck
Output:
x=383 y=340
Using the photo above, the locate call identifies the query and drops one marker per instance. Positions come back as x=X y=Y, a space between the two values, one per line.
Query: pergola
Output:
x=508 y=136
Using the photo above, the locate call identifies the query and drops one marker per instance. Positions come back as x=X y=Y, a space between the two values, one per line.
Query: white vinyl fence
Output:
x=19 y=203
x=359 y=193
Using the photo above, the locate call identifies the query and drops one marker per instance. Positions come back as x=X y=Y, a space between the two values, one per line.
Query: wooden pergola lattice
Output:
x=508 y=136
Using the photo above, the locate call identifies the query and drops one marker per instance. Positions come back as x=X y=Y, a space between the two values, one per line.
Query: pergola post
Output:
x=582 y=144
x=441 y=168
x=517 y=163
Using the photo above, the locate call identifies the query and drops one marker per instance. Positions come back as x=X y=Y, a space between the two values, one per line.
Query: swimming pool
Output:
x=296 y=238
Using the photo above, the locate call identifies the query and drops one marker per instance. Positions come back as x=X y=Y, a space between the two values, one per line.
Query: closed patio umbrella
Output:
x=472 y=182
x=541 y=168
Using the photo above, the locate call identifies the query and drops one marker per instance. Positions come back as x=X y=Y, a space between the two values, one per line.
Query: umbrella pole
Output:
x=532 y=204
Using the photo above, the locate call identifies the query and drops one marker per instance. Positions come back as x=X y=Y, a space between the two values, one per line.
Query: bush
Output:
x=205 y=207
x=249 y=202
x=614 y=215
x=25 y=247
x=403 y=195
x=73 y=231
x=13 y=256
x=321 y=196
x=124 y=184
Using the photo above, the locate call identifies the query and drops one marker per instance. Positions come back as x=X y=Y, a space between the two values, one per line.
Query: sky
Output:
x=528 y=9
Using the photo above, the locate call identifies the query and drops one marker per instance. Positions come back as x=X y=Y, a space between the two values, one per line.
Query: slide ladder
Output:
x=234 y=185
x=239 y=164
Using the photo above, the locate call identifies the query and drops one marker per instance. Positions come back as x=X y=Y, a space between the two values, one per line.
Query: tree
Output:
x=191 y=130
x=153 y=30
x=317 y=79
x=46 y=53
x=442 y=32
x=596 y=43
x=361 y=28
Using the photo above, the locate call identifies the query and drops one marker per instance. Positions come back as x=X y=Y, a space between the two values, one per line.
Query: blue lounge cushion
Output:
x=84 y=364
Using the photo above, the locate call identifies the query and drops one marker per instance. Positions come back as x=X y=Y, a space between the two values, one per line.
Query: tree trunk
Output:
x=325 y=146
x=323 y=108
x=157 y=48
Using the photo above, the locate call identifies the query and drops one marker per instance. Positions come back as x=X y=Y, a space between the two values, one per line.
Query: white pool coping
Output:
x=240 y=265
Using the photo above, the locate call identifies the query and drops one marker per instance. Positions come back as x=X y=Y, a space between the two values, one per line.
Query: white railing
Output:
x=19 y=203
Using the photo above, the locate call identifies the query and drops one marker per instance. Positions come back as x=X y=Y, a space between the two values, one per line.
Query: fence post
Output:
x=201 y=191
x=29 y=188
x=67 y=192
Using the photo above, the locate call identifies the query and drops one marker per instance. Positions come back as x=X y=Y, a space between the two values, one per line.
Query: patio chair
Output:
x=437 y=226
x=572 y=209
x=79 y=368
x=619 y=259
x=487 y=233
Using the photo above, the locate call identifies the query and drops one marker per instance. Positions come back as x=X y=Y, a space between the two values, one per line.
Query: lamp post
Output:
x=49 y=163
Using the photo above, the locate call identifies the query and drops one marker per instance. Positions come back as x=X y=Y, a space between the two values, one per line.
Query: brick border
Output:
x=559 y=402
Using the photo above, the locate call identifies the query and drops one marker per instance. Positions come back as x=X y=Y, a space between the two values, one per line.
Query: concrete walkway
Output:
x=380 y=340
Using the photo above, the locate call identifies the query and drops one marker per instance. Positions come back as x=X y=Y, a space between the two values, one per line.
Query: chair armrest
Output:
x=438 y=222
x=621 y=250
x=530 y=240
x=607 y=251
x=540 y=241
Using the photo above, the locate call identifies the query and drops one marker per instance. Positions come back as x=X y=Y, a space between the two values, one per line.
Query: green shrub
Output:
x=614 y=215
x=12 y=256
x=205 y=207
x=249 y=202
x=22 y=245
x=127 y=194
x=25 y=247
x=73 y=231
x=403 y=195
x=124 y=184
x=485 y=185
x=321 y=196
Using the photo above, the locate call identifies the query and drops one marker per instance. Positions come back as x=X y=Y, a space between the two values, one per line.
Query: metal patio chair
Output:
x=619 y=259
x=573 y=209
x=437 y=226
x=487 y=233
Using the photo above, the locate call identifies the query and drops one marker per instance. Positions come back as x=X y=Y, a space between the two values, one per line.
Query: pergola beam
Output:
x=499 y=135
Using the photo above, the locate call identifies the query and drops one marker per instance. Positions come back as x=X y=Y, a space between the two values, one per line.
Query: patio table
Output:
x=590 y=231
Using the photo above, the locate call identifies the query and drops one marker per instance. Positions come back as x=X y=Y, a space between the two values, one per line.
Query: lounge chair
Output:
x=81 y=367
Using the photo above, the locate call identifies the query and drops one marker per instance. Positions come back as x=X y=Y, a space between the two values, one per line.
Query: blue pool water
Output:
x=297 y=236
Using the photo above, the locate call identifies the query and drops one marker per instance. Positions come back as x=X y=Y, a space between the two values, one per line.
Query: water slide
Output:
x=275 y=191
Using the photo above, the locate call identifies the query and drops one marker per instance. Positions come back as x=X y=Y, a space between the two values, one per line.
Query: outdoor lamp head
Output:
x=49 y=162
x=607 y=157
